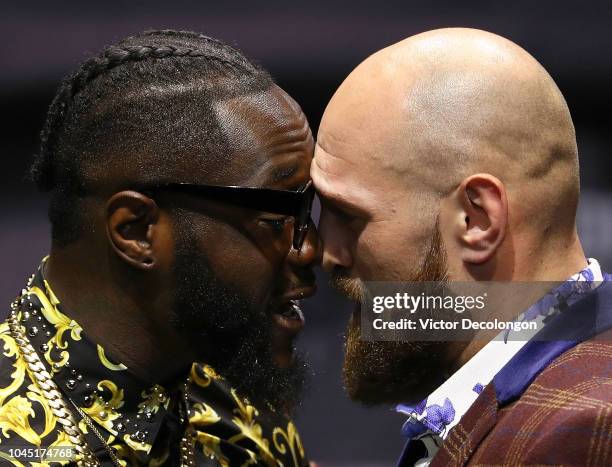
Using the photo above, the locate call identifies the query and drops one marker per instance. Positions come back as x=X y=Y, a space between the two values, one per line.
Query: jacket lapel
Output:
x=465 y=437
x=585 y=319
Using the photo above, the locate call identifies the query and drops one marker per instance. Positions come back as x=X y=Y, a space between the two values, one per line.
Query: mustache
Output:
x=350 y=287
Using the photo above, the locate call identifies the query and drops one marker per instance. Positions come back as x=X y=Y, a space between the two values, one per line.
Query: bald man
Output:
x=451 y=156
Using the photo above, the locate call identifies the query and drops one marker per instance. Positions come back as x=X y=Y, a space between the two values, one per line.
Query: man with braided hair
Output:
x=180 y=200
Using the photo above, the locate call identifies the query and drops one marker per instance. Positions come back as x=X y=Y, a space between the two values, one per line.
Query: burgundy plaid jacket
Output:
x=551 y=404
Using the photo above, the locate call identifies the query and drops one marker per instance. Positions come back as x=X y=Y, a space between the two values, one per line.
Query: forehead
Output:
x=269 y=137
x=363 y=123
x=356 y=145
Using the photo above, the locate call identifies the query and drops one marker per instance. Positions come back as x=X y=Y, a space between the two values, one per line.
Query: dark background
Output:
x=309 y=47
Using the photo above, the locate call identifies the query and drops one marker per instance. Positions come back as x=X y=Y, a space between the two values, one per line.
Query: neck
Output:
x=555 y=264
x=113 y=319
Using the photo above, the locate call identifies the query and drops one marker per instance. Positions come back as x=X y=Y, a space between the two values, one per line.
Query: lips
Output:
x=293 y=311
x=287 y=313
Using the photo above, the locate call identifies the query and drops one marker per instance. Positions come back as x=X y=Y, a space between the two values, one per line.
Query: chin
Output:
x=371 y=389
x=285 y=359
x=391 y=372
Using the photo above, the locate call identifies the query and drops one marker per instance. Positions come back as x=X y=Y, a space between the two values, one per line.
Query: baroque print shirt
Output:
x=140 y=422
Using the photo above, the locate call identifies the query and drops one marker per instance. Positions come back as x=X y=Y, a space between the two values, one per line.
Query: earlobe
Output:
x=131 y=218
x=485 y=207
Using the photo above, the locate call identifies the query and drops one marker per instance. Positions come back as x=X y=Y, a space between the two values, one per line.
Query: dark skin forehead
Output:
x=270 y=145
x=270 y=140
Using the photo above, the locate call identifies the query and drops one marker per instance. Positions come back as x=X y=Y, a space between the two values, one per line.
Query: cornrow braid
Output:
x=201 y=37
x=159 y=59
x=192 y=35
x=110 y=58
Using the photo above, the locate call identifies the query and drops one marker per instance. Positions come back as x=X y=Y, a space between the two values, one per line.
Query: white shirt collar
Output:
x=444 y=407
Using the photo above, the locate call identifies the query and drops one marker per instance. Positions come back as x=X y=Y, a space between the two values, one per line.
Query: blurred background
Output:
x=309 y=47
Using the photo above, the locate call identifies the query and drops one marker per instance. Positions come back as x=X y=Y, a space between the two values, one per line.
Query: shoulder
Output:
x=583 y=371
x=565 y=415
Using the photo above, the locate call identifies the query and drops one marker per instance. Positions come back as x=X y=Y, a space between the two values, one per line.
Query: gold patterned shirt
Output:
x=138 y=421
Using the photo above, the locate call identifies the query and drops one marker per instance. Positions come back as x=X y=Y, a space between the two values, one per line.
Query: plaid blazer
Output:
x=551 y=404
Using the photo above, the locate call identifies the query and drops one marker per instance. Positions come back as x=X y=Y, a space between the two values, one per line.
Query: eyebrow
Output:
x=281 y=173
x=340 y=203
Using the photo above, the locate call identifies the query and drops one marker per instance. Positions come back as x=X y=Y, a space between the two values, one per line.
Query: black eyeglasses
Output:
x=297 y=204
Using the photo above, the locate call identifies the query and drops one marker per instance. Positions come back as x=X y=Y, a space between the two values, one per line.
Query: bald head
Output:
x=425 y=114
x=447 y=103
x=449 y=155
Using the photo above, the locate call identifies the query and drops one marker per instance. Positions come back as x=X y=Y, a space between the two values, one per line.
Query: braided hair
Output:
x=143 y=105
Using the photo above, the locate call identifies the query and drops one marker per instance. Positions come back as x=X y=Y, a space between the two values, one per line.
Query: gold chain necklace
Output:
x=87 y=420
x=50 y=391
x=60 y=409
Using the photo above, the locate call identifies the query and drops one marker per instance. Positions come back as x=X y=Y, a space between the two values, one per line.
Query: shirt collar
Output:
x=443 y=408
x=118 y=401
x=221 y=424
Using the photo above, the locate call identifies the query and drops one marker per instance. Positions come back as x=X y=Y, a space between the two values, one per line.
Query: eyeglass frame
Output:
x=297 y=204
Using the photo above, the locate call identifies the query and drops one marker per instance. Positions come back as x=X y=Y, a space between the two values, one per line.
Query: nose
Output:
x=310 y=252
x=335 y=243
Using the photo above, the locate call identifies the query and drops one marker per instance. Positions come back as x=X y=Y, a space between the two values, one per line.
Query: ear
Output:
x=482 y=198
x=131 y=218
